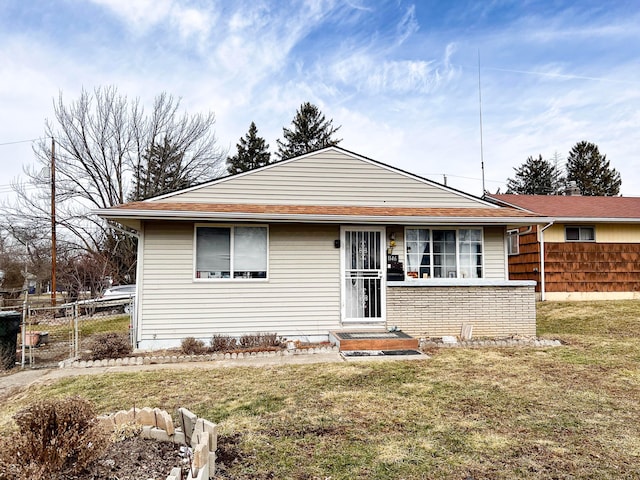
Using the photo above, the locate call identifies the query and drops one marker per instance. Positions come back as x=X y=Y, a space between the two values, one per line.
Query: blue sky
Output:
x=400 y=77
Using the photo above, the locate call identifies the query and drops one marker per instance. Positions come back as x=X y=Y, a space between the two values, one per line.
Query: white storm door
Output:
x=363 y=287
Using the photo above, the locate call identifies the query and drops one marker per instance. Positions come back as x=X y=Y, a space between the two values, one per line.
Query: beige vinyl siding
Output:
x=605 y=233
x=494 y=253
x=301 y=296
x=327 y=178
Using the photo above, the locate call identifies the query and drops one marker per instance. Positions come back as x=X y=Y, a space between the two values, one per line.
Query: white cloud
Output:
x=192 y=22
x=143 y=15
x=404 y=93
x=408 y=25
x=140 y=15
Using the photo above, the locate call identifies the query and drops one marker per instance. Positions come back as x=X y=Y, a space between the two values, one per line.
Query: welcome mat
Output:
x=378 y=353
x=369 y=335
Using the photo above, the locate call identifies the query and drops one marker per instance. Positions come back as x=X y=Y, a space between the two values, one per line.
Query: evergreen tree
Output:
x=311 y=131
x=535 y=176
x=591 y=171
x=160 y=171
x=252 y=153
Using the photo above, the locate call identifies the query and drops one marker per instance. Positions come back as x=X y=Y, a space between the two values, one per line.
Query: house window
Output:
x=237 y=252
x=513 y=242
x=444 y=253
x=580 y=234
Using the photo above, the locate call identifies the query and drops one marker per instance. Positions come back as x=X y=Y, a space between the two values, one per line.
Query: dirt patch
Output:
x=134 y=459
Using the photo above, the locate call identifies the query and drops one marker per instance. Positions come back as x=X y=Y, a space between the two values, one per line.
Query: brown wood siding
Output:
x=592 y=267
x=526 y=265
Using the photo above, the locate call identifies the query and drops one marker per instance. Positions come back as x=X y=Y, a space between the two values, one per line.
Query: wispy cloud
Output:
x=400 y=76
x=407 y=26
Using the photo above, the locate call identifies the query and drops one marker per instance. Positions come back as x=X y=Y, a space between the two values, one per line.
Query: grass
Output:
x=563 y=412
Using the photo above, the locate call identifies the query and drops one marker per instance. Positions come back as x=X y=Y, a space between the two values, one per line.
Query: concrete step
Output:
x=350 y=340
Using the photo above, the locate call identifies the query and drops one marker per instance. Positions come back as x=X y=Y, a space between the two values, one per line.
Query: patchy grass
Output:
x=564 y=412
x=603 y=318
x=90 y=326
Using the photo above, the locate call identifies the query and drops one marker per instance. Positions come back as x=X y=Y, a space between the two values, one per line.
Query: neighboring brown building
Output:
x=591 y=246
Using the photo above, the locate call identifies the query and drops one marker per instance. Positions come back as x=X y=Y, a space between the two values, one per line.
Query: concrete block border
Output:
x=164 y=359
x=197 y=433
x=492 y=343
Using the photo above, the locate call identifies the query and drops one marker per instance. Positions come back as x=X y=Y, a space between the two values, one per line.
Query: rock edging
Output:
x=200 y=434
x=508 y=342
x=163 y=359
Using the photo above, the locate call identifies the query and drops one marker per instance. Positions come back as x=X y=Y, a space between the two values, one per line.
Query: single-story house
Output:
x=326 y=241
x=589 y=250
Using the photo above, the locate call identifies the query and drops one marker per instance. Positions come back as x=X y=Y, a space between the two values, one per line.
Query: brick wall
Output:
x=434 y=311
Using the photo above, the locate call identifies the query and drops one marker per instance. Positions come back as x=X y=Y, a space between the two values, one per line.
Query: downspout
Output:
x=542 y=282
x=135 y=320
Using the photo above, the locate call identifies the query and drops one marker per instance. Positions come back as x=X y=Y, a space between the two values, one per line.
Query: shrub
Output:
x=109 y=345
x=260 y=340
x=222 y=343
x=55 y=439
x=192 y=346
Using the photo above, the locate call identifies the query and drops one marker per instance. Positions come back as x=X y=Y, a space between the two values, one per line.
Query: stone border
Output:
x=163 y=359
x=505 y=342
x=157 y=424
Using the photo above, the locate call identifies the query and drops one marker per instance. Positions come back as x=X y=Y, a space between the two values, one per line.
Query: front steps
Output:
x=374 y=340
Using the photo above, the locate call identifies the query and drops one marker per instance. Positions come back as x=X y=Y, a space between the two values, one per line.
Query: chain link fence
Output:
x=50 y=335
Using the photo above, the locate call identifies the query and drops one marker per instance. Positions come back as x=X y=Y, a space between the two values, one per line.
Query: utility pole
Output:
x=53 y=222
x=484 y=190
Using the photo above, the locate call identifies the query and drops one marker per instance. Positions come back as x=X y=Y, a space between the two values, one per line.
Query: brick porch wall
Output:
x=434 y=311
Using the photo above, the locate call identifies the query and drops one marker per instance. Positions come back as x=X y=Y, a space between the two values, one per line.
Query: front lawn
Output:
x=502 y=413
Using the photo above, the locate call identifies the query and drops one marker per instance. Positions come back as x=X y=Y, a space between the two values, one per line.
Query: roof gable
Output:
x=331 y=176
x=574 y=206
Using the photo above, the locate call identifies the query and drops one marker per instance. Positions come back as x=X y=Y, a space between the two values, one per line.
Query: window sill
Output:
x=229 y=280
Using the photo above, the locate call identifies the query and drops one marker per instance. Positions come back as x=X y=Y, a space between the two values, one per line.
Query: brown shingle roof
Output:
x=575 y=206
x=333 y=210
x=323 y=210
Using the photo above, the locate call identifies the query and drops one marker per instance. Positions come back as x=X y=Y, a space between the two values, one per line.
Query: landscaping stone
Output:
x=107 y=422
x=146 y=416
x=176 y=474
x=178 y=437
x=146 y=432
x=204 y=429
x=200 y=455
x=159 y=435
x=121 y=417
x=187 y=422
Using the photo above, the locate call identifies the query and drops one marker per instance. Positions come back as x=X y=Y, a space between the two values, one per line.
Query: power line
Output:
x=458 y=176
x=20 y=141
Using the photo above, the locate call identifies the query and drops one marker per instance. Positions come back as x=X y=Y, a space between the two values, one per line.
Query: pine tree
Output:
x=535 y=176
x=161 y=171
x=591 y=171
x=311 y=131
x=252 y=152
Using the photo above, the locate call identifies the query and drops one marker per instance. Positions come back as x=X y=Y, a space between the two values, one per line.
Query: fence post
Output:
x=75 y=330
x=24 y=331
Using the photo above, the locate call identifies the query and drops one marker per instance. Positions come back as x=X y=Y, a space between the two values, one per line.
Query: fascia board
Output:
x=595 y=220
x=373 y=219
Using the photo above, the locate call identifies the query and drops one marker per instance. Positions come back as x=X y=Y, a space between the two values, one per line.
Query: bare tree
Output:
x=102 y=145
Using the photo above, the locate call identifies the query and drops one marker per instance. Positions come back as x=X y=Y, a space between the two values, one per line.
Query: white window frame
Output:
x=232 y=228
x=580 y=228
x=431 y=265
x=513 y=239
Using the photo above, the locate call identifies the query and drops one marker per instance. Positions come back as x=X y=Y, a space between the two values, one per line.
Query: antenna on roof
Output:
x=480 y=109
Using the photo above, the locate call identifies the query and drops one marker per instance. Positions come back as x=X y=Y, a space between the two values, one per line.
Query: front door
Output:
x=363 y=295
